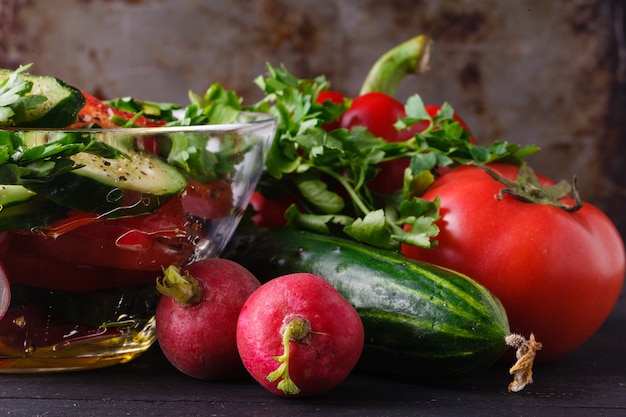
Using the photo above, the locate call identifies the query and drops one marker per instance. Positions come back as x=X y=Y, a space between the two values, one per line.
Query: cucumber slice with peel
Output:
x=59 y=109
x=130 y=185
x=11 y=195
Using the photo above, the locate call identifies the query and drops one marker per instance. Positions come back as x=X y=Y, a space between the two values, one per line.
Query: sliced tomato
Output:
x=105 y=251
x=210 y=200
x=167 y=221
x=142 y=243
x=33 y=270
x=96 y=112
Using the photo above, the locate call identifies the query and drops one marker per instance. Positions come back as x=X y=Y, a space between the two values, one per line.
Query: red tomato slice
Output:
x=89 y=253
x=168 y=221
x=33 y=270
x=105 y=251
x=134 y=243
x=97 y=112
x=210 y=200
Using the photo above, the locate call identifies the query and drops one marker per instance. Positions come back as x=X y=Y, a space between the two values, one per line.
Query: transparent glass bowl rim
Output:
x=256 y=120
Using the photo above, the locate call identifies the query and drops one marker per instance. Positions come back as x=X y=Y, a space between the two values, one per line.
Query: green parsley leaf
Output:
x=328 y=172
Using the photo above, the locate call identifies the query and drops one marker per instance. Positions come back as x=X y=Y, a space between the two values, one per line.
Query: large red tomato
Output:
x=557 y=273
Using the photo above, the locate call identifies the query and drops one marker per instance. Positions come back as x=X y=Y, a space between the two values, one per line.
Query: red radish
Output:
x=298 y=337
x=196 y=318
x=5 y=292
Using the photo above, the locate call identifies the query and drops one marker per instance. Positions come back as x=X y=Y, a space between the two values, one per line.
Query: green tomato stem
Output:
x=410 y=57
x=297 y=330
x=184 y=289
x=527 y=188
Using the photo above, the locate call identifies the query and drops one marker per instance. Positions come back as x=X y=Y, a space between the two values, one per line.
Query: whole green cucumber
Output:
x=422 y=322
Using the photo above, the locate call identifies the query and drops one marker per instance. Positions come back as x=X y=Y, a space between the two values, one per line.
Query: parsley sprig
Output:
x=328 y=172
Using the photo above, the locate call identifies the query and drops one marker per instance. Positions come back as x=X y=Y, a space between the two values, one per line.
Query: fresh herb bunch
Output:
x=328 y=172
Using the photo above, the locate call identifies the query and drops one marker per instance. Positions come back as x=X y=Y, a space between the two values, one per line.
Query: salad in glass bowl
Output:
x=96 y=199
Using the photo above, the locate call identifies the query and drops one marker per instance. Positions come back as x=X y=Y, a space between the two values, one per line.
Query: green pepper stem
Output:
x=410 y=57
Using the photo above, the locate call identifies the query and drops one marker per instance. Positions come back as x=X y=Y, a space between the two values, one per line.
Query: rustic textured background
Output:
x=545 y=72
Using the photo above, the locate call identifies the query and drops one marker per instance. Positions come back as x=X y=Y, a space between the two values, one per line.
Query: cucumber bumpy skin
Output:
x=422 y=322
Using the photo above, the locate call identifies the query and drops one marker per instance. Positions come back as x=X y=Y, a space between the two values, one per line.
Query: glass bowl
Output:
x=87 y=230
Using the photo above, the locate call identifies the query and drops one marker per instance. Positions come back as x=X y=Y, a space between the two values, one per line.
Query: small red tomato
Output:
x=96 y=112
x=333 y=97
x=270 y=212
x=378 y=112
x=210 y=200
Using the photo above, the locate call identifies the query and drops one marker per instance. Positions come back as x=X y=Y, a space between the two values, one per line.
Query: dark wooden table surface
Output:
x=591 y=381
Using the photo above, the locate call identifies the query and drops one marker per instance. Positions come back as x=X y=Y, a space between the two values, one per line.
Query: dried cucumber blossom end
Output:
x=522 y=371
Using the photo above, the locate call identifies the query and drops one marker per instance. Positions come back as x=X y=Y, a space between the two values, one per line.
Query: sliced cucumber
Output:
x=125 y=186
x=60 y=109
x=31 y=214
x=11 y=195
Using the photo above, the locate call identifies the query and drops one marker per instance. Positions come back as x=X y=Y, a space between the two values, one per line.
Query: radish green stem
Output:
x=297 y=330
x=184 y=289
x=410 y=57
